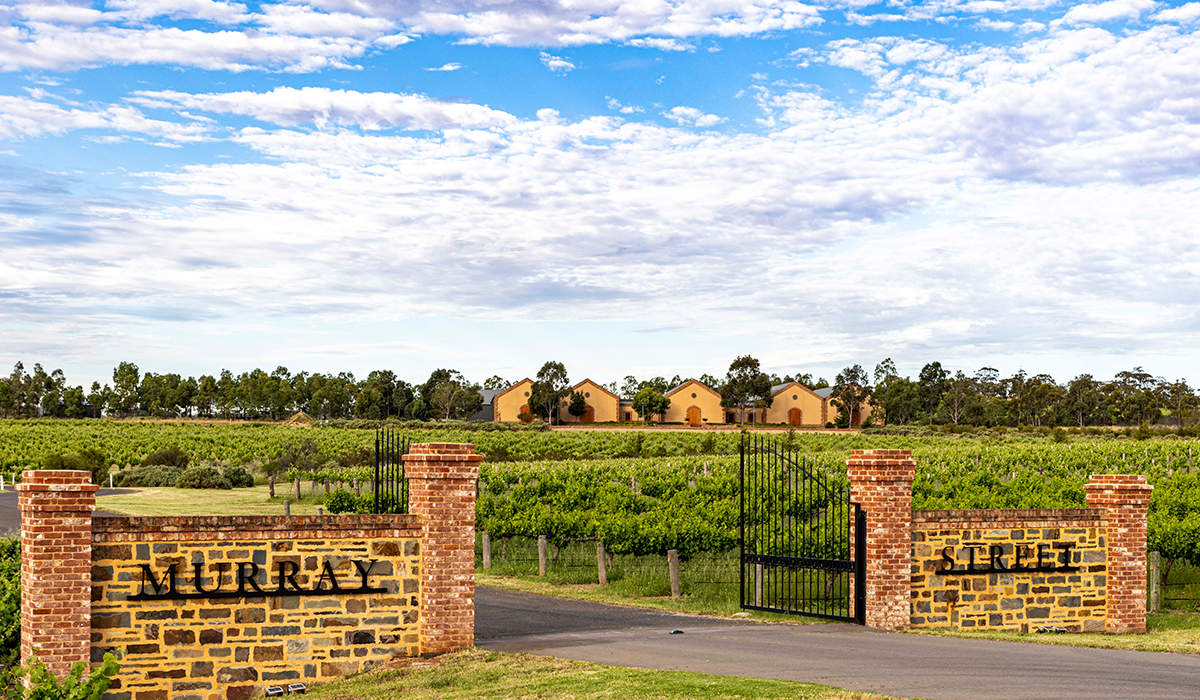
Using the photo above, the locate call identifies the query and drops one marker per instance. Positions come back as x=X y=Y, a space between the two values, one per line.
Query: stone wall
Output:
x=206 y=648
x=1014 y=570
x=278 y=599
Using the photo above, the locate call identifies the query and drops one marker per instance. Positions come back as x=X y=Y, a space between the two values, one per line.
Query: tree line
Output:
x=446 y=394
x=935 y=396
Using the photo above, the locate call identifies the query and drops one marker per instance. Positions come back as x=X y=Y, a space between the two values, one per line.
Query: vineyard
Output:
x=642 y=493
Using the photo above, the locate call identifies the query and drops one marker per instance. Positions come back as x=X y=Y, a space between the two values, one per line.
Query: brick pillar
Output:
x=56 y=567
x=881 y=481
x=441 y=489
x=1126 y=499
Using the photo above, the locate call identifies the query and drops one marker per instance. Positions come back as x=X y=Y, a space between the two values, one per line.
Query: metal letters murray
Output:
x=803 y=542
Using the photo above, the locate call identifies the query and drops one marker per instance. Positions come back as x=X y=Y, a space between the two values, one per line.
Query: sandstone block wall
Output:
x=233 y=648
x=1010 y=599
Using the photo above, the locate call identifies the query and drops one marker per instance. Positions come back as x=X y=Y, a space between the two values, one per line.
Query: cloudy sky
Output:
x=629 y=186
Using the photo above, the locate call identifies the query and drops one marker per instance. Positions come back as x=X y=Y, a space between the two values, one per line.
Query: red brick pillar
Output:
x=1126 y=499
x=56 y=567
x=881 y=481
x=441 y=489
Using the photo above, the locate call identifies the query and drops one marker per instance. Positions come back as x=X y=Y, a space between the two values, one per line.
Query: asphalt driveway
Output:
x=847 y=656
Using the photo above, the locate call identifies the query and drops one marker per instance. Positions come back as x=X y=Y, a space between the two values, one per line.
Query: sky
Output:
x=645 y=187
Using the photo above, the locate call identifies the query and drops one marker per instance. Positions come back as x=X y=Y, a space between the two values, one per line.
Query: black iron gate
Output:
x=803 y=541
x=391 y=488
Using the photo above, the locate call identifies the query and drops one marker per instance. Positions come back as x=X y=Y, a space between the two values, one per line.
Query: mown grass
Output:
x=474 y=673
x=171 y=501
x=1177 y=633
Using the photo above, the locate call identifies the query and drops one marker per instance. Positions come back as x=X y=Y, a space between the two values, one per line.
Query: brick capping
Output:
x=253 y=527
x=1009 y=517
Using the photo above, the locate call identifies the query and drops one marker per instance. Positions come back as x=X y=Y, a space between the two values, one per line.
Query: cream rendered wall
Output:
x=807 y=401
x=708 y=401
x=506 y=406
x=603 y=402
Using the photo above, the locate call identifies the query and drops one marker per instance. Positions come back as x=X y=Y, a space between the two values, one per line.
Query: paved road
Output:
x=10 y=517
x=847 y=656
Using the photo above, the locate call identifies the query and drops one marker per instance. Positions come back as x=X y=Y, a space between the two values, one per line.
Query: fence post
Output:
x=326 y=486
x=541 y=555
x=297 y=489
x=271 y=485
x=56 y=564
x=357 y=490
x=601 y=564
x=287 y=508
x=673 y=569
x=1155 y=572
x=486 y=542
x=441 y=490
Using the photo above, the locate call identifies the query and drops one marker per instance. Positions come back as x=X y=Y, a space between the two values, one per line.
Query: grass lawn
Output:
x=474 y=673
x=1172 y=632
x=172 y=501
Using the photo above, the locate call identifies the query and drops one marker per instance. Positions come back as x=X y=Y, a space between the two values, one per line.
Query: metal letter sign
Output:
x=246 y=578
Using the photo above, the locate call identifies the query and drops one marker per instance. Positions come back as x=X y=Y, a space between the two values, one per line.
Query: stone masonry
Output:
x=1126 y=500
x=56 y=550
x=881 y=482
x=233 y=648
x=1015 y=598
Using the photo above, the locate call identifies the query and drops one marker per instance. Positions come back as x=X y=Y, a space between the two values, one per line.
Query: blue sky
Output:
x=647 y=188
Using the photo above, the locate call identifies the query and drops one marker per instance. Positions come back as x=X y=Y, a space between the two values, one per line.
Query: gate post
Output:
x=56 y=567
x=1126 y=500
x=881 y=481
x=441 y=490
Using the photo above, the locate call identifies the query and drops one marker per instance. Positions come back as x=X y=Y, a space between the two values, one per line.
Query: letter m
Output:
x=168 y=581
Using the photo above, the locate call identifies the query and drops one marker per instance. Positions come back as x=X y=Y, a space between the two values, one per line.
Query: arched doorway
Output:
x=525 y=411
x=589 y=415
x=794 y=416
x=694 y=415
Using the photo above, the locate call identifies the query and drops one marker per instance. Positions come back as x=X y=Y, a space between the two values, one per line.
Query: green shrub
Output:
x=203 y=477
x=10 y=600
x=341 y=501
x=43 y=685
x=168 y=456
x=238 y=477
x=1059 y=435
x=157 y=476
x=86 y=460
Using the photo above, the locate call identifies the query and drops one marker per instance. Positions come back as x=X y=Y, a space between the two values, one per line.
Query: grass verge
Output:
x=475 y=673
x=171 y=501
x=1178 y=633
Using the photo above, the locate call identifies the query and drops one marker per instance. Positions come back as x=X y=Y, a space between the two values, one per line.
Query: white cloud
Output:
x=446 y=68
x=614 y=103
x=22 y=118
x=556 y=64
x=661 y=44
x=690 y=116
x=996 y=25
x=59 y=48
x=1184 y=14
x=322 y=106
x=664 y=25
x=1112 y=10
